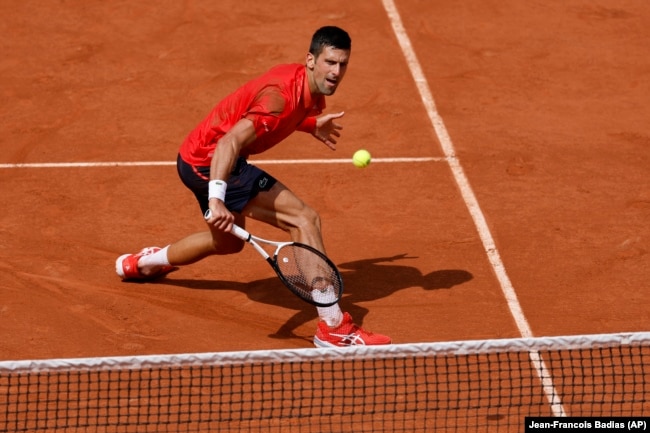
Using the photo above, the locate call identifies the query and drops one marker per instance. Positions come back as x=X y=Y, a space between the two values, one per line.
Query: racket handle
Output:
x=240 y=233
x=236 y=230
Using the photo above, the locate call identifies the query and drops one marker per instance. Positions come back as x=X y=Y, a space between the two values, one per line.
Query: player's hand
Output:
x=219 y=216
x=327 y=130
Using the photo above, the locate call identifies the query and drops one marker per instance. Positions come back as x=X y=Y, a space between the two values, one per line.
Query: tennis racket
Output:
x=305 y=271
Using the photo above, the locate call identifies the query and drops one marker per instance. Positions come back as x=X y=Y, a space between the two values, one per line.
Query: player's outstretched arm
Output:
x=327 y=129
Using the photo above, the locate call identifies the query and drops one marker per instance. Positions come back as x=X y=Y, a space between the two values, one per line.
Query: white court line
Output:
x=252 y=161
x=470 y=199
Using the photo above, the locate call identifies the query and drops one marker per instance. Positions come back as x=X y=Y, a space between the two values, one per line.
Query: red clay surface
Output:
x=546 y=104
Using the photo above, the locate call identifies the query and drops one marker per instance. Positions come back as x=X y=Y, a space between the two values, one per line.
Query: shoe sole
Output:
x=118 y=265
x=323 y=344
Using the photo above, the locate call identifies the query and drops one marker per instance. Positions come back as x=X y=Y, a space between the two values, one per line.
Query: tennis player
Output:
x=212 y=163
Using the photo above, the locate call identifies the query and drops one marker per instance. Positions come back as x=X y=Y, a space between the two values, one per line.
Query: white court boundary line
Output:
x=470 y=201
x=256 y=161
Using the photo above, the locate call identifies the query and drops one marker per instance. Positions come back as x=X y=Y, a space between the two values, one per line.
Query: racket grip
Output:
x=236 y=230
x=240 y=233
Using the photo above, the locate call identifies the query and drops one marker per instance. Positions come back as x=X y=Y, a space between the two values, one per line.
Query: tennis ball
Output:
x=361 y=158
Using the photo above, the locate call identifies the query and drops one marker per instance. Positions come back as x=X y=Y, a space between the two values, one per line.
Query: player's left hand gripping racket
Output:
x=303 y=269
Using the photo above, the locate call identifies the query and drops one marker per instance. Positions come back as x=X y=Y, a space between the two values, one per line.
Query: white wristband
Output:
x=217 y=189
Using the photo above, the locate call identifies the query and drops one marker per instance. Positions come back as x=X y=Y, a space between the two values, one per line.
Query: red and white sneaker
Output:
x=347 y=334
x=126 y=266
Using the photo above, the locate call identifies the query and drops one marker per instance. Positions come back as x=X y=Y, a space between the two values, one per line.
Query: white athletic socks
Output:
x=332 y=315
x=157 y=259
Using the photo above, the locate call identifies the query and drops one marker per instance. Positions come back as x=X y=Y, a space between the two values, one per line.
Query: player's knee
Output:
x=308 y=220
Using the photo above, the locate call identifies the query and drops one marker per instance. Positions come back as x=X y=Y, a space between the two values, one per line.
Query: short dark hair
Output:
x=329 y=36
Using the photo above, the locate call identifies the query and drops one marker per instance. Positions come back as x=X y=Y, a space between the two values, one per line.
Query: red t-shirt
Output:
x=278 y=103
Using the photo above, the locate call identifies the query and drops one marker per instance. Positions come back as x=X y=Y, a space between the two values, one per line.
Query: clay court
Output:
x=546 y=109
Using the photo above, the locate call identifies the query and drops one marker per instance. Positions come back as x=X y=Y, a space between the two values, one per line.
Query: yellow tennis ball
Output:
x=361 y=158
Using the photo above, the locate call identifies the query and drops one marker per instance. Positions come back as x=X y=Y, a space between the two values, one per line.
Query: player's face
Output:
x=327 y=70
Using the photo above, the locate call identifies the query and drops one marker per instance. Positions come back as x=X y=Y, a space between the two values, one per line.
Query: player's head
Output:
x=329 y=36
x=327 y=60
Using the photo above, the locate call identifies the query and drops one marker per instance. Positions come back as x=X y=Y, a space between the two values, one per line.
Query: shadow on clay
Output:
x=364 y=280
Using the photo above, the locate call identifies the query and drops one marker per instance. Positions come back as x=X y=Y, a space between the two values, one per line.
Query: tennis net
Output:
x=482 y=386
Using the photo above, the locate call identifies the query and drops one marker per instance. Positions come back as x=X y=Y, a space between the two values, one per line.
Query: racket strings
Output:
x=309 y=274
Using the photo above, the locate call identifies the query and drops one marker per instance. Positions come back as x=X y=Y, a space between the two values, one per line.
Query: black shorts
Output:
x=244 y=183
